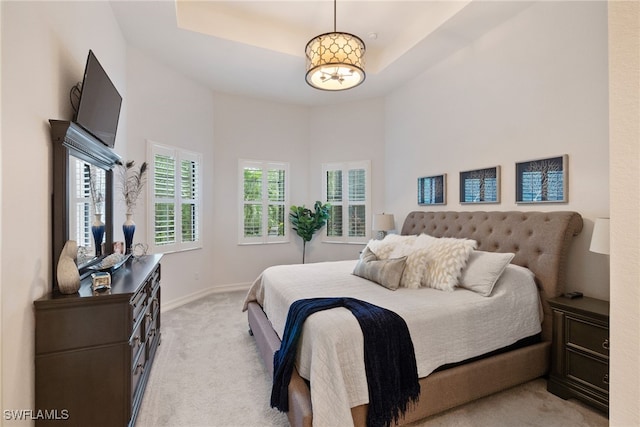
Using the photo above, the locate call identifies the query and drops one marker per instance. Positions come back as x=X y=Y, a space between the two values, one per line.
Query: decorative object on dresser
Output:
x=94 y=350
x=67 y=270
x=131 y=183
x=580 y=350
x=383 y=223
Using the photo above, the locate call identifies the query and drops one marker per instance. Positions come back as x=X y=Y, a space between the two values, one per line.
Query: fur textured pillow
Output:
x=383 y=248
x=415 y=266
x=445 y=257
x=387 y=272
x=483 y=271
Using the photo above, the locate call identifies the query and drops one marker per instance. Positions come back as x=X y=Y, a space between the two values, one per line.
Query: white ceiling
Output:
x=256 y=48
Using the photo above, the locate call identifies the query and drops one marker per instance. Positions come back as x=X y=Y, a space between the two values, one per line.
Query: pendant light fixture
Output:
x=335 y=61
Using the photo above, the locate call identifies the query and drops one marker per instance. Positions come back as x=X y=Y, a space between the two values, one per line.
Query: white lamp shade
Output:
x=383 y=222
x=600 y=236
x=335 y=61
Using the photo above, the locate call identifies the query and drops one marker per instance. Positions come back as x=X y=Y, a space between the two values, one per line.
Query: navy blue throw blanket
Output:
x=389 y=357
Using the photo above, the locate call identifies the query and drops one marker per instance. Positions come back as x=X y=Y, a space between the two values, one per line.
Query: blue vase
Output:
x=97 y=229
x=128 y=228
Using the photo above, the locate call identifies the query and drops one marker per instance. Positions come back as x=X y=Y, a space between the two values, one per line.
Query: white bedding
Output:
x=446 y=327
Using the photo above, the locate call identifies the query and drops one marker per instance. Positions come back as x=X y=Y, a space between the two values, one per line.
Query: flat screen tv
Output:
x=99 y=107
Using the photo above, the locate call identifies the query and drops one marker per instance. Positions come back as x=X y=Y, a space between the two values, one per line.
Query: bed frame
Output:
x=540 y=241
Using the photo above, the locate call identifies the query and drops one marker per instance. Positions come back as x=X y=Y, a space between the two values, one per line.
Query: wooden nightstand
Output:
x=580 y=351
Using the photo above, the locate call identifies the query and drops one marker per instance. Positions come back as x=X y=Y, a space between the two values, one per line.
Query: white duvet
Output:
x=445 y=327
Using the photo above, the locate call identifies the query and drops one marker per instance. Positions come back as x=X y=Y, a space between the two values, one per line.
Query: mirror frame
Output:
x=69 y=139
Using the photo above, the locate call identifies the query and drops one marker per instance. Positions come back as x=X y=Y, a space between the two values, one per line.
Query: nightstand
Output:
x=580 y=351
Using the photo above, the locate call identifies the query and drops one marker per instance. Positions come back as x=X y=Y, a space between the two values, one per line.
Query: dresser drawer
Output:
x=138 y=304
x=136 y=342
x=138 y=367
x=587 y=336
x=588 y=370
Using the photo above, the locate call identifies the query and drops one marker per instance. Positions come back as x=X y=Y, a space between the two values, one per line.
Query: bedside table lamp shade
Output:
x=383 y=223
x=600 y=236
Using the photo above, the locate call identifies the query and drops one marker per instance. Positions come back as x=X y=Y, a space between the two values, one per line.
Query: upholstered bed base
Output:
x=540 y=241
x=439 y=391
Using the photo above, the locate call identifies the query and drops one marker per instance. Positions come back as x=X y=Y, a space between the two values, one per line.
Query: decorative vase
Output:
x=67 y=270
x=128 y=228
x=97 y=228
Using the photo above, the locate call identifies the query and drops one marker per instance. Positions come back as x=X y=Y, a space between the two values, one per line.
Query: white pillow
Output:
x=383 y=248
x=415 y=265
x=446 y=257
x=483 y=271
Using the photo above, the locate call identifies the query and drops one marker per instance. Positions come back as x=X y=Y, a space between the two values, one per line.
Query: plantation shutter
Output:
x=263 y=201
x=175 y=198
x=347 y=189
x=164 y=190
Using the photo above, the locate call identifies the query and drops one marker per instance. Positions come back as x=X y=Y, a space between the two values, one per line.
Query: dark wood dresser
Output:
x=94 y=350
x=580 y=351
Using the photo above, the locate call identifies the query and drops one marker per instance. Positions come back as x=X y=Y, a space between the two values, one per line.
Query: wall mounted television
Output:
x=99 y=107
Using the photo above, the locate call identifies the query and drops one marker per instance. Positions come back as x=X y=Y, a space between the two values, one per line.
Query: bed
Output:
x=539 y=241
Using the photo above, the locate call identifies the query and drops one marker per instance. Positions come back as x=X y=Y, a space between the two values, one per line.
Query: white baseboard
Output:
x=170 y=305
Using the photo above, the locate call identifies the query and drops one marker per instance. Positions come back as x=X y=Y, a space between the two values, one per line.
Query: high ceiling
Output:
x=256 y=48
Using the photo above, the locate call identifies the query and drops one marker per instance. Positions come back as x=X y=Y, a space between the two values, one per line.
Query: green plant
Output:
x=306 y=221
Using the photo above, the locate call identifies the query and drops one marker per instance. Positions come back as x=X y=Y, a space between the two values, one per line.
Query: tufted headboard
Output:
x=540 y=240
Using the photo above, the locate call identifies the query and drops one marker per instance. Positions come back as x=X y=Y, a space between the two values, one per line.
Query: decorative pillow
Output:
x=446 y=257
x=415 y=266
x=483 y=271
x=383 y=248
x=385 y=272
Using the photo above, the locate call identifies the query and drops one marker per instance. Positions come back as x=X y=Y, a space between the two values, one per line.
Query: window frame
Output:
x=180 y=155
x=264 y=238
x=345 y=167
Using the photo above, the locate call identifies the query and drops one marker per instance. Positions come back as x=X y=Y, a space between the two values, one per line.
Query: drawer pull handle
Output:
x=605 y=379
x=605 y=344
x=136 y=341
x=138 y=367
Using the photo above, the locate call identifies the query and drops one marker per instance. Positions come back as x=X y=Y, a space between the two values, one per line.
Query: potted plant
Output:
x=306 y=221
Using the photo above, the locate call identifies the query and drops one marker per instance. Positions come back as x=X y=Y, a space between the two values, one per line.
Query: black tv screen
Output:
x=100 y=102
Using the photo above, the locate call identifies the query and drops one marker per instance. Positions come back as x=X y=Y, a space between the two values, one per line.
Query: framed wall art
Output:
x=542 y=180
x=432 y=190
x=480 y=185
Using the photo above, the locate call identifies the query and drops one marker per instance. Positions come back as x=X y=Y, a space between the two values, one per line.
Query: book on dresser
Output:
x=94 y=349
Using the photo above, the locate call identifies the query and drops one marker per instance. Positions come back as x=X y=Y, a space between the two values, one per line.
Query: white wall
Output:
x=348 y=132
x=43 y=56
x=624 y=44
x=534 y=87
x=246 y=128
x=168 y=108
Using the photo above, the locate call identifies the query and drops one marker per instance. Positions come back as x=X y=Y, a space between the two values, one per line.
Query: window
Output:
x=87 y=184
x=264 y=197
x=175 y=197
x=347 y=189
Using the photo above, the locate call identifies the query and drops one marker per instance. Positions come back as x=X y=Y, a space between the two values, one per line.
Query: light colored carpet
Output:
x=207 y=372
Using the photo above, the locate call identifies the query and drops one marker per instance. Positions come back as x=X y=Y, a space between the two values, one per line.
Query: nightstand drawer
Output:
x=587 y=336
x=583 y=368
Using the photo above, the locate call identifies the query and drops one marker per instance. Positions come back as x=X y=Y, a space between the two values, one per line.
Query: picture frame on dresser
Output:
x=480 y=186
x=542 y=180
